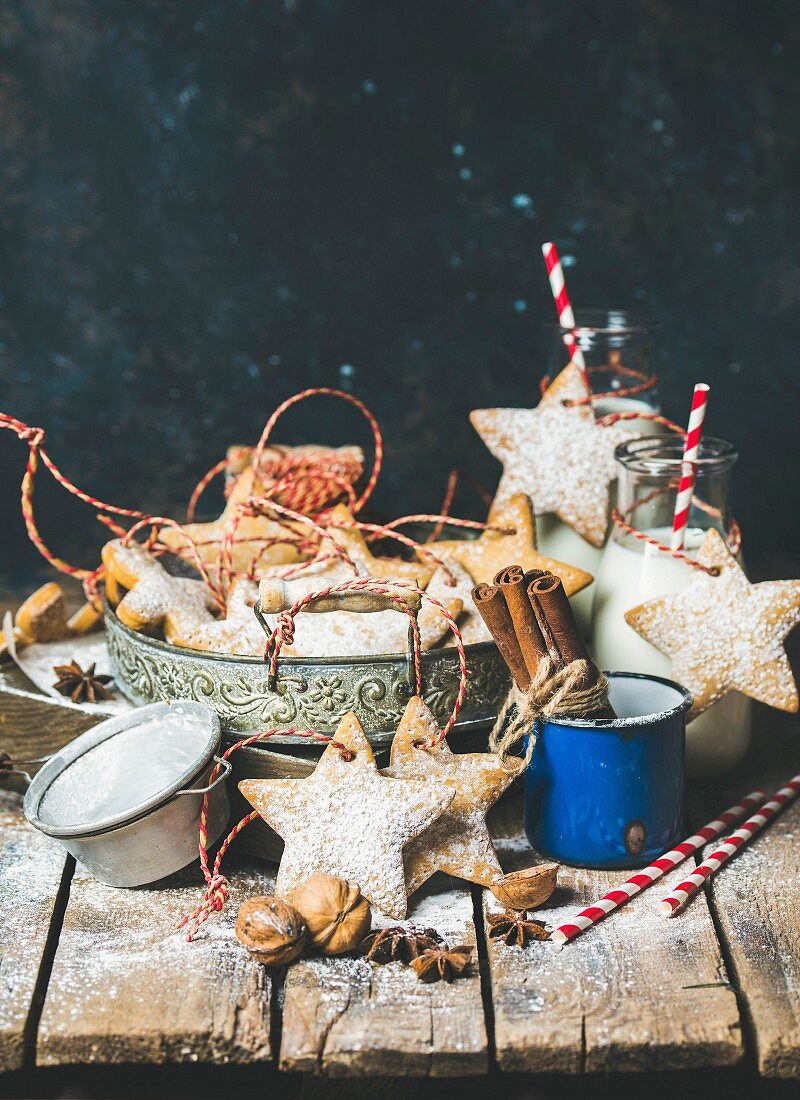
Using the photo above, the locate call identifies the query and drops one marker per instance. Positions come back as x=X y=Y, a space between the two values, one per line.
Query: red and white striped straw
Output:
x=729 y=847
x=648 y=875
x=566 y=317
x=691 y=449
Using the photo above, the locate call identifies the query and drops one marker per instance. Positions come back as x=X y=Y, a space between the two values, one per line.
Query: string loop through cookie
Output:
x=734 y=539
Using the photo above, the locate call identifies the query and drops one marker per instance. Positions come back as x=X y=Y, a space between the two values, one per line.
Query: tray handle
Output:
x=273 y=599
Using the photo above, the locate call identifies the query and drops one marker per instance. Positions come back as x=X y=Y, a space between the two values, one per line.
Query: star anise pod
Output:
x=514 y=928
x=80 y=686
x=398 y=944
x=442 y=964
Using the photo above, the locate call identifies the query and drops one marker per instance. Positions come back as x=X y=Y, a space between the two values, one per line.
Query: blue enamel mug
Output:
x=610 y=793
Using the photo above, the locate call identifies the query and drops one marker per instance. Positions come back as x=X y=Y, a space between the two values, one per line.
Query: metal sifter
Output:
x=124 y=798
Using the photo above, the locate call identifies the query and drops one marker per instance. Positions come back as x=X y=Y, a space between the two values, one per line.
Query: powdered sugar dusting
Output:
x=514 y=542
x=347 y=819
x=31 y=866
x=458 y=842
x=556 y=453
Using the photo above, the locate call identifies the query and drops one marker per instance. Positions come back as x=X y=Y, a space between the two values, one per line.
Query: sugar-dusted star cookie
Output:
x=155 y=600
x=724 y=633
x=557 y=453
x=483 y=558
x=346 y=819
x=253 y=533
x=458 y=843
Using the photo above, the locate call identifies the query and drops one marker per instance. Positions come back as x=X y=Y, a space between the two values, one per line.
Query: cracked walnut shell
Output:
x=273 y=932
x=526 y=889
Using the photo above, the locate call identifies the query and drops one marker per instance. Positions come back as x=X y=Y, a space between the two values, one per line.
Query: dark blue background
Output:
x=206 y=206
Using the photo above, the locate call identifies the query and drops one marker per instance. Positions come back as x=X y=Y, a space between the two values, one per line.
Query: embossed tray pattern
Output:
x=310 y=693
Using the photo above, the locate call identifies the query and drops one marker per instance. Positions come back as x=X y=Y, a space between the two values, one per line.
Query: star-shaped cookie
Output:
x=352 y=540
x=251 y=531
x=724 y=633
x=483 y=558
x=346 y=819
x=458 y=843
x=155 y=600
x=557 y=453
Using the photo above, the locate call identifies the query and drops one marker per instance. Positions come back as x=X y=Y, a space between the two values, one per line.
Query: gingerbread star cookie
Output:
x=352 y=541
x=458 y=842
x=724 y=633
x=253 y=533
x=483 y=558
x=238 y=631
x=557 y=453
x=348 y=820
x=155 y=600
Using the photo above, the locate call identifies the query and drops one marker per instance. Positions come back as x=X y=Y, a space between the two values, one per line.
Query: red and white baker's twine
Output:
x=306 y=485
x=648 y=875
x=641 y=383
x=691 y=450
x=566 y=316
x=675 y=901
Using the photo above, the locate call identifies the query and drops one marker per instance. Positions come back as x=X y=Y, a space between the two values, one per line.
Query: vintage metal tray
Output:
x=310 y=693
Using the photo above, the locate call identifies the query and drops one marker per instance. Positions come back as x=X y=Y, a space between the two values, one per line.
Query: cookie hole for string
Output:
x=346 y=754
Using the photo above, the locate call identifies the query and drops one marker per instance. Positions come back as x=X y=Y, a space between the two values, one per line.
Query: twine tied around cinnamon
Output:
x=576 y=690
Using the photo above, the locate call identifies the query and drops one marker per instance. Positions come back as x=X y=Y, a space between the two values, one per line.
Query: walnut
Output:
x=338 y=916
x=272 y=931
x=526 y=889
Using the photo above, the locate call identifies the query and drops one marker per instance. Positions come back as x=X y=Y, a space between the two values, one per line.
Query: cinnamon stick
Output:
x=564 y=640
x=511 y=582
x=493 y=609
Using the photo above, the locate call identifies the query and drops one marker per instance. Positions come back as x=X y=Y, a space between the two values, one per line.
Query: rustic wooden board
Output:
x=32 y=873
x=637 y=992
x=126 y=987
x=32 y=725
x=756 y=900
x=347 y=1016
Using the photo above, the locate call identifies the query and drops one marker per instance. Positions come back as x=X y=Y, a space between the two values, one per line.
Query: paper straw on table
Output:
x=691 y=449
x=648 y=875
x=729 y=847
x=566 y=317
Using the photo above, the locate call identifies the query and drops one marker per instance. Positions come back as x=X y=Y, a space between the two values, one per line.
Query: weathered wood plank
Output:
x=637 y=992
x=126 y=987
x=31 y=725
x=32 y=868
x=347 y=1016
x=756 y=899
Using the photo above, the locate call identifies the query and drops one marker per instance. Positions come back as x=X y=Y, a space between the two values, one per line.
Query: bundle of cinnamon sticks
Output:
x=530 y=618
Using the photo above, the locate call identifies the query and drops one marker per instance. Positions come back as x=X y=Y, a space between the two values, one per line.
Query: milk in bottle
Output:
x=633 y=572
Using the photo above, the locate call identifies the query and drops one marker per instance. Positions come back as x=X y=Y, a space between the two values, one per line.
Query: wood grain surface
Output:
x=347 y=1016
x=637 y=992
x=126 y=987
x=32 y=868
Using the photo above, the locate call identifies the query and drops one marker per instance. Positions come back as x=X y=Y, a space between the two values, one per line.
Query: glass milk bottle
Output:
x=633 y=571
x=617 y=347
